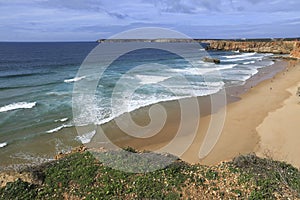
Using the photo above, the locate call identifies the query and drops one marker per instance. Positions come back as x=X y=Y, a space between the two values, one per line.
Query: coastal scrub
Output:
x=81 y=176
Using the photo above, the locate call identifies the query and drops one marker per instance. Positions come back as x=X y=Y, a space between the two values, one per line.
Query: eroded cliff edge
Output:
x=275 y=47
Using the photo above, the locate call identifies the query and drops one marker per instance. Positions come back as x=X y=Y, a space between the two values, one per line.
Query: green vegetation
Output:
x=272 y=179
x=81 y=176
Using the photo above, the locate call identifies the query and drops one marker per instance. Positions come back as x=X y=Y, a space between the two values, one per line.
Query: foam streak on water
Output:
x=3 y=144
x=74 y=79
x=151 y=79
x=15 y=106
x=58 y=128
x=240 y=55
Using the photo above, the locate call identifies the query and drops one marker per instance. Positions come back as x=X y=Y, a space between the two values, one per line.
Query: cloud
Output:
x=88 y=5
x=268 y=6
x=92 y=19
x=172 y=6
x=118 y=15
x=254 y=1
x=188 y=6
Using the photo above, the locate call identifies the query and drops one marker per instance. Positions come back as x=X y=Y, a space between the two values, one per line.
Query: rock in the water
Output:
x=213 y=60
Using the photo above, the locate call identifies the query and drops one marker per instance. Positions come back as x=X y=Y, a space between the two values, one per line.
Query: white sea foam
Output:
x=146 y=79
x=86 y=138
x=74 y=79
x=218 y=84
x=58 y=93
x=240 y=75
x=240 y=55
x=142 y=100
x=251 y=71
x=249 y=62
x=61 y=120
x=201 y=71
x=247 y=57
x=58 y=128
x=235 y=59
x=64 y=119
x=4 y=144
x=96 y=115
x=15 y=106
x=55 y=129
x=220 y=67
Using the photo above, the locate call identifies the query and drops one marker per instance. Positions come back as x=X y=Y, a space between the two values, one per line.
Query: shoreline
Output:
x=235 y=95
x=240 y=135
x=202 y=180
x=241 y=102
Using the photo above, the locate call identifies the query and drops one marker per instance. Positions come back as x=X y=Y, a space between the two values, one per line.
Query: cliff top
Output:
x=80 y=175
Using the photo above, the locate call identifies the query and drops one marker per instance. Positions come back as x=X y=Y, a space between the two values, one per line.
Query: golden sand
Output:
x=265 y=121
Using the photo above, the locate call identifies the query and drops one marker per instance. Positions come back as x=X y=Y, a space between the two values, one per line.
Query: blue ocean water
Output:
x=36 y=85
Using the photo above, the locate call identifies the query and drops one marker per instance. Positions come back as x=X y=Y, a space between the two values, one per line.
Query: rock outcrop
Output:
x=212 y=60
x=79 y=149
x=276 y=47
x=296 y=51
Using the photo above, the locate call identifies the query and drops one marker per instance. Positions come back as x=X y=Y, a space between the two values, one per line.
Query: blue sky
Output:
x=89 y=20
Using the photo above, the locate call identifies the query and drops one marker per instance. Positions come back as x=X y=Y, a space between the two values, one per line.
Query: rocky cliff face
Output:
x=296 y=51
x=275 y=47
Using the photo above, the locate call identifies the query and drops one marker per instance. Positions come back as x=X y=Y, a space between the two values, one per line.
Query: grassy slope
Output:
x=80 y=175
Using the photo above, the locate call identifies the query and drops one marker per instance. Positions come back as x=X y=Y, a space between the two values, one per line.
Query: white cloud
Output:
x=86 y=19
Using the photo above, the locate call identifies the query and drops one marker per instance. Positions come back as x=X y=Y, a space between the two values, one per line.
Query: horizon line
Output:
x=103 y=39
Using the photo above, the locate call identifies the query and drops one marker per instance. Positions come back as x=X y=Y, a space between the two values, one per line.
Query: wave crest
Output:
x=4 y=144
x=74 y=79
x=19 y=105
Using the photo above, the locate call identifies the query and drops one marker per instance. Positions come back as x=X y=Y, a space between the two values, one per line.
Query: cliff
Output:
x=275 y=47
x=296 y=51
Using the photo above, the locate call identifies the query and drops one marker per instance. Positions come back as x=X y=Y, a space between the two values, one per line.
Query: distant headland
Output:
x=166 y=40
x=289 y=46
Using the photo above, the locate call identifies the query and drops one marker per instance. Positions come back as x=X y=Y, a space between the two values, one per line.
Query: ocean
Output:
x=36 y=89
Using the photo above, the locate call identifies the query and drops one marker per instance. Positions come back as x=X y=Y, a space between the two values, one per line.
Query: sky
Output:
x=89 y=20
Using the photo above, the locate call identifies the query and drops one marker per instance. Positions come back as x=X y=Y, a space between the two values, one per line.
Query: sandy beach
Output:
x=263 y=121
x=279 y=131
